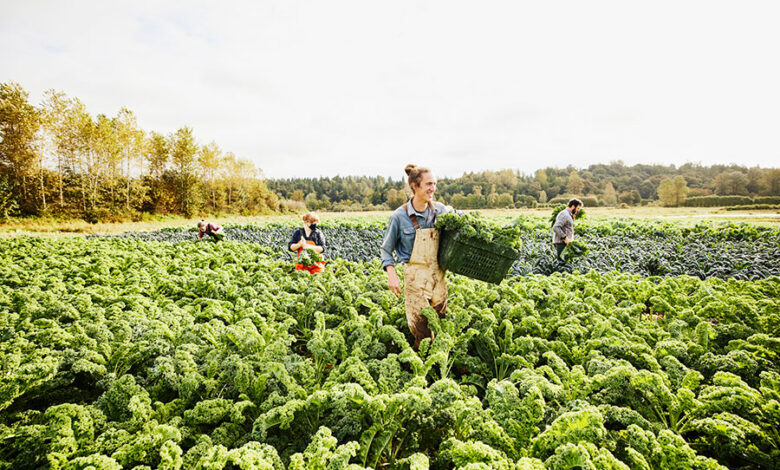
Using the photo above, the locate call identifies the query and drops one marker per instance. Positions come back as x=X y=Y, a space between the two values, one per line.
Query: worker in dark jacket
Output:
x=308 y=237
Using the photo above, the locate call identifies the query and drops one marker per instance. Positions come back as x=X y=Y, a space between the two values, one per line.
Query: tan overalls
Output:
x=424 y=281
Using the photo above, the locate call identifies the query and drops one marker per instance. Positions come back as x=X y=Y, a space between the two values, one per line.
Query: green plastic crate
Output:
x=476 y=259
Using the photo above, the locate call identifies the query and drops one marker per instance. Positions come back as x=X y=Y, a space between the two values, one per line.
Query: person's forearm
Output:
x=391 y=271
x=387 y=257
x=393 y=283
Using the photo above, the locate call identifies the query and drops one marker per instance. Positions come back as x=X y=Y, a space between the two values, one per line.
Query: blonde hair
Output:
x=310 y=218
x=415 y=174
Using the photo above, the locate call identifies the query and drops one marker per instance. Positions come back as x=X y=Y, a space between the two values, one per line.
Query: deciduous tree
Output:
x=673 y=191
x=19 y=123
x=184 y=162
x=575 y=184
x=731 y=183
x=210 y=158
x=609 y=196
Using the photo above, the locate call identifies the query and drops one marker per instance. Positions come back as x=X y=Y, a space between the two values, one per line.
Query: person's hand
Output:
x=393 y=283
x=567 y=240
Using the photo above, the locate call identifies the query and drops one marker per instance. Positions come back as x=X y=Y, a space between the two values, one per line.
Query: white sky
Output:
x=364 y=87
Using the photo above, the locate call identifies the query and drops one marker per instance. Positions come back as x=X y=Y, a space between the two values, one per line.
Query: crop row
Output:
x=648 y=249
x=121 y=353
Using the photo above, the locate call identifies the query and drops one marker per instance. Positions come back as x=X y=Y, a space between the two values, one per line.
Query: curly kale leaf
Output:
x=474 y=226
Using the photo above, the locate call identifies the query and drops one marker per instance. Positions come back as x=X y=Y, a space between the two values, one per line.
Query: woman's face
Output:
x=426 y=188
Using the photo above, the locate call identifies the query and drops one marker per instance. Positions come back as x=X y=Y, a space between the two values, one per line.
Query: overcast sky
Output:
x=364 y=87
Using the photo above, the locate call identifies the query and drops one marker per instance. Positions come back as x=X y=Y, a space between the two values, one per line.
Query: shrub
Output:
x=766 y=200
x=753 y=207
x=717 y=201
x=288 y=205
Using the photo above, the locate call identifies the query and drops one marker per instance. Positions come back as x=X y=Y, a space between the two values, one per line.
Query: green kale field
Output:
x=659 y=349
x=730 y=251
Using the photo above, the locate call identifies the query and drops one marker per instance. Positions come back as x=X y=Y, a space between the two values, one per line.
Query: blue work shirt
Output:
x=400 y=232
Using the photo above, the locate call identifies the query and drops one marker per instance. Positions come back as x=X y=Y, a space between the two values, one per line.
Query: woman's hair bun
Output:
x=409 y=168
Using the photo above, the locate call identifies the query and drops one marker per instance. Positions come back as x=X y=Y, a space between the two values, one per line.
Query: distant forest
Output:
x=58 y=160
x=597 y=185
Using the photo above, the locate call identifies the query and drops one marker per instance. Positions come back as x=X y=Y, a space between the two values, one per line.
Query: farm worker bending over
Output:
x=309 y=237
x=563 y=228
x=411 y=234
x=213 y=230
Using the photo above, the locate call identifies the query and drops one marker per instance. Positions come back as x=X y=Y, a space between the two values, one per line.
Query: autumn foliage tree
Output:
x=672 y=192
x=19 y=123
x=58 y=159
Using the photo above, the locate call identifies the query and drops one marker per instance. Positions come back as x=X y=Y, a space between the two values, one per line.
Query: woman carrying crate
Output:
x=412 y=235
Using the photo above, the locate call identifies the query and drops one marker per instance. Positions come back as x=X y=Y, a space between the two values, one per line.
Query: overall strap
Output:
x=413 y=219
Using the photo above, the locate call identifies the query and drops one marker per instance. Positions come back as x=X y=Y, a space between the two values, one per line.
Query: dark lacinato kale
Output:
x=647 y=247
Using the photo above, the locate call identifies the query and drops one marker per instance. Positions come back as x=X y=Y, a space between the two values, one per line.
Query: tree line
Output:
x=56 y=159
x=598 y=185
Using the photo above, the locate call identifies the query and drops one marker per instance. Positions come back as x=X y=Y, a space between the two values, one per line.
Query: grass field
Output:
x=76 y=227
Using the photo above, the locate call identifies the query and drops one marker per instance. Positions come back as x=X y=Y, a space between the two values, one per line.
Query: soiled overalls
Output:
x=424 y=281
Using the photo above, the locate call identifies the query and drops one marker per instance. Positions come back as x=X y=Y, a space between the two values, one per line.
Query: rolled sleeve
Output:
x=389 y=242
